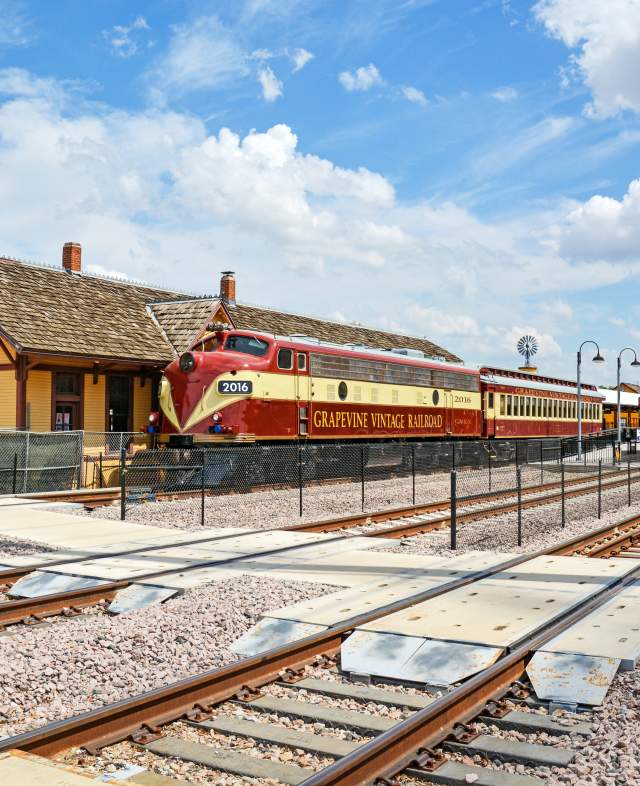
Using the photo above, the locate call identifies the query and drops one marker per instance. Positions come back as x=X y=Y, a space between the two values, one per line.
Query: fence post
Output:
x=300 y=475
x=100 y=473
x=541 y=464
x=562 y=493
x=599 y=488
x=413 y=472
x=362 y=473
x=519 y=484
x=202 y=486
x=14 y=484
x=489 y=466
x=453 y=456
x=454 y=516
x=629 y=482
x=123 y=484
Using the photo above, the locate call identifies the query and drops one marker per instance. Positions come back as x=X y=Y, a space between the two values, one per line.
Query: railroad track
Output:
x=178 y=720
x=413 y=520
x=94 y=498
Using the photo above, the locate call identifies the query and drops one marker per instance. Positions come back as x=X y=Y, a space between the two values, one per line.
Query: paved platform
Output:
x=76 y=536
x=22 y=769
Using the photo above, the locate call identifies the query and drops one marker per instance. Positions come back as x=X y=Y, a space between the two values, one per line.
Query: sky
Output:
x=464 y=170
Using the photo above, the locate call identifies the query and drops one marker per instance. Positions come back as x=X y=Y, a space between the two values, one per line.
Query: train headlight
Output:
x=216 y=417
x=187 y=362
x=154 y=417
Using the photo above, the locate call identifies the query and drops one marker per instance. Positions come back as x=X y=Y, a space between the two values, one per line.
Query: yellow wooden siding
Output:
x=39 y=400
x=141 y=404
x=94 y=403
x=8 y=399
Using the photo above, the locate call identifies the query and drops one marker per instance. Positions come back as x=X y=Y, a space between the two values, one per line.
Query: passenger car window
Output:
x=302 y=361
x=249 y=345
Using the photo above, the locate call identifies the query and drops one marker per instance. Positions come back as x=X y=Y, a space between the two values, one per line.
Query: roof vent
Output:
x=410 y=353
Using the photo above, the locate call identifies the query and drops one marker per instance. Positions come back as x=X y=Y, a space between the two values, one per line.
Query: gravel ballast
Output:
x=280 y=507
x=55 y=670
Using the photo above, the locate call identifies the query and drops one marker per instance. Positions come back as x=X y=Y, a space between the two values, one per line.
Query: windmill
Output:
x=527 y=347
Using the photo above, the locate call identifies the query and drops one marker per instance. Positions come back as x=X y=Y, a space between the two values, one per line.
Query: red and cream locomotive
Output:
x=238 y=386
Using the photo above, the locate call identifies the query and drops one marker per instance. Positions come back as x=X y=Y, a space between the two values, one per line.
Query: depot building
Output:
x=80 y=351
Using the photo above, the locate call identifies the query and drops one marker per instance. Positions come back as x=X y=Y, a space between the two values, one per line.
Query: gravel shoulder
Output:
x=53 y=671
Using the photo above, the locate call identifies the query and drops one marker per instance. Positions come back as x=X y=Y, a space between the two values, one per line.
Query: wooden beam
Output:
x=5 y=349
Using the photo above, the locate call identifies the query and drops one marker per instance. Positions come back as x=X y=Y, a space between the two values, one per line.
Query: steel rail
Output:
x=404 y=530
x=118 y=721
x=431 y=507
x=393 y=750
x=28 y=609
x=12 y=574
x=33 y=610
x=596 y=542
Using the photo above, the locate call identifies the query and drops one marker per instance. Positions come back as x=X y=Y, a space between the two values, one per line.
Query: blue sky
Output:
x=460 y=170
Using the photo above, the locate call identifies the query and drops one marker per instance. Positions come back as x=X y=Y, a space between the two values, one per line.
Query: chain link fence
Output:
x=33 y=461
x=534 y=503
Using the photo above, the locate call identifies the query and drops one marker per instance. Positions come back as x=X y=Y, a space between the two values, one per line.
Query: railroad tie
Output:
x=228 y=760
x=352 y=690
x=318 y=713
x=319 y=744
x=455 y=773
x=519 y=752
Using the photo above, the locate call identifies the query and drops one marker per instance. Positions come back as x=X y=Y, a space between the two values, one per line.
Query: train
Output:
x=239 y=386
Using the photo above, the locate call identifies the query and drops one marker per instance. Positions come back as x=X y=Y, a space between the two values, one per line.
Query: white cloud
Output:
x=157 y=197
x=15 y=24
x=364 y=78
x=607 y=37
x=271 y=85
x=505 y=94
x=523 y=145
x=203 y=54
x=125 y=40
x=262 y=54
x=434 y=322
x=414 y=95
x=300 y=57
x=603 y=228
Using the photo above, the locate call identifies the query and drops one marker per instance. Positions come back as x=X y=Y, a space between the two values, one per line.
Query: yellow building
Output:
x=77 y=351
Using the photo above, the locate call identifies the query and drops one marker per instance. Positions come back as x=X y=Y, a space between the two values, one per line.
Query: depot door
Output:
x=303 y=392
x=119 y=402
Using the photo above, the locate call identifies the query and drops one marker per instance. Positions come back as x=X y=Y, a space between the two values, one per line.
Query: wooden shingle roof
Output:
x=253 y=318
x=183 y=322
x=49 y=310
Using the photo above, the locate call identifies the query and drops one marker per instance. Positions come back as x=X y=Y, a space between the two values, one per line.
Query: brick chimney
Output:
x=228 y=287
x=72 y=257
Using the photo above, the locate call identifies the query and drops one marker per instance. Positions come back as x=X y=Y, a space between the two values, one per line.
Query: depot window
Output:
x=248 y=345
x=285 y=359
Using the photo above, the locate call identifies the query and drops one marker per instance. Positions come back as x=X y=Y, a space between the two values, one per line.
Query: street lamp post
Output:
x=634 y=363
x=597 y=359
